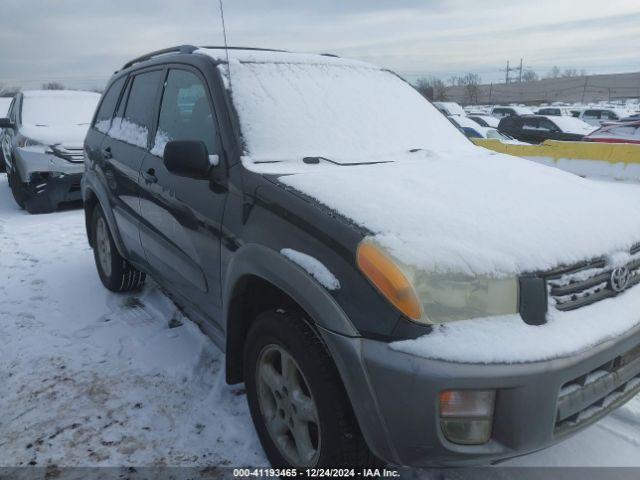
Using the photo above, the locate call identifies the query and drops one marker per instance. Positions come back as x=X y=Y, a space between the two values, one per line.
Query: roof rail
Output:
x=258 y=49
x=148 y=56
x=192 y=48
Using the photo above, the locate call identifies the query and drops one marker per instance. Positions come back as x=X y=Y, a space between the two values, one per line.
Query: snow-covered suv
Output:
x=42 y=146
x=384 y=288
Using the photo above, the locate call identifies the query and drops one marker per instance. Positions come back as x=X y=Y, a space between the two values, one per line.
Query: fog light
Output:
x=466 y=416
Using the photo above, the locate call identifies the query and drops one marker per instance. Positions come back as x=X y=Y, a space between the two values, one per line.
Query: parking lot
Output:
x=96 y=378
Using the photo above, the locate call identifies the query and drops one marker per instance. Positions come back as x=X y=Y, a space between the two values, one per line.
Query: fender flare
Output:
x=96 y=189
x=293 y=280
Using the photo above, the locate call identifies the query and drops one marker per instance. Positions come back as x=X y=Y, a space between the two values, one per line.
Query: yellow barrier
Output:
x=625 y=153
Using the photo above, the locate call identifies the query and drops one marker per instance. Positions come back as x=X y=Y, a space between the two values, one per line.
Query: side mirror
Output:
x=187 y=158
x=6 y=123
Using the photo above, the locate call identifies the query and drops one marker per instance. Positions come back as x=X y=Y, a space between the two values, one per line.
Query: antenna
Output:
x=226 y=45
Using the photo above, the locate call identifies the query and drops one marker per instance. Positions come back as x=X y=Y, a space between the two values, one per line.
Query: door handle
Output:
x=150 y=176
x=106 y=153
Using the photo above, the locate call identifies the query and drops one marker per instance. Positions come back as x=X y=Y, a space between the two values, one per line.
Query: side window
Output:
x=530 y=124
x=108 y=106
x=133 y=126
x=592 y=114
x=185 y=113
x=547 y=125
x=610 y=115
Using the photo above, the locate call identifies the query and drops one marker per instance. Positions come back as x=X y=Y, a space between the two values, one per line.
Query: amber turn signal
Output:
x=387 y=277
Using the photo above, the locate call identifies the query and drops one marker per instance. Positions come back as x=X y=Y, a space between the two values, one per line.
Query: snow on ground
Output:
x=90 y=378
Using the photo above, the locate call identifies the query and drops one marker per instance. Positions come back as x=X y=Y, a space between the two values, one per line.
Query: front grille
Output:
x=589 y=397
x=589 y=282
x=72 y=154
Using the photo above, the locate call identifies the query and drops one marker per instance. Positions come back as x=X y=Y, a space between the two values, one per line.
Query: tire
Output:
x=17 y=189
x=116 y=273
x=332 y=434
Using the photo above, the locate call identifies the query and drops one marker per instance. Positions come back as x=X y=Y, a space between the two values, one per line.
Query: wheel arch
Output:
x=260 y=278
x=95 y=197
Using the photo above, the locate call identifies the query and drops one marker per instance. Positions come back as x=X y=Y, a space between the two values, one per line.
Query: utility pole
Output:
x=507 y=70
x=520 y=80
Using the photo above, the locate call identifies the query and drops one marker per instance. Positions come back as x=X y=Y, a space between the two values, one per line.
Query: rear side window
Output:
x=108 y=105
x=133 y=127
x=185 y=113
x=592 y=114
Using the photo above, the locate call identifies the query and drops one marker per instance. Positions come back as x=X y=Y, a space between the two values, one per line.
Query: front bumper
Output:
x=46 y=192
x=47 y=179
x=395 y=397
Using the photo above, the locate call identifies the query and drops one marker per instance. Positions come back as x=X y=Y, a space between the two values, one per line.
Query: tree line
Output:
x=435 y=88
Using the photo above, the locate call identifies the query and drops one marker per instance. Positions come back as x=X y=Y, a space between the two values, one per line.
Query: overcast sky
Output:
x=81 y=42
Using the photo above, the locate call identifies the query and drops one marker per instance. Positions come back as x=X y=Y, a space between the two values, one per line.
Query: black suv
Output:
x=296 y=207
x=538 y=128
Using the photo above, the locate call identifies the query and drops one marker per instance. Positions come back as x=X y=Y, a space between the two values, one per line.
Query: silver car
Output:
x=42 y=143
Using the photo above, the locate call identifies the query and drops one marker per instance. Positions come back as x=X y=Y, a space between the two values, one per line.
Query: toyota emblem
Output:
x=619 y=279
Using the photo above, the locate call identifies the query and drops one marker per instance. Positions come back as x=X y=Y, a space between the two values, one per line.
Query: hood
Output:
x=67 y=135
x=477 y=212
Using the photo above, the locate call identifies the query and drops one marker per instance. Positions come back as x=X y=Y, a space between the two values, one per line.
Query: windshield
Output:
x=58 y=108
x=493 y=133
x=294 y=110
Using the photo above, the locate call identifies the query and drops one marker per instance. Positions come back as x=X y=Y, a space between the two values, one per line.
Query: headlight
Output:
x=436 y=298
x=28 y=142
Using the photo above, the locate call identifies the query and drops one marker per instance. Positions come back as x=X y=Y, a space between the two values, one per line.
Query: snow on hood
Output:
x=478 y=214
x=450 y=207
x=67 y=135
x=57 y=116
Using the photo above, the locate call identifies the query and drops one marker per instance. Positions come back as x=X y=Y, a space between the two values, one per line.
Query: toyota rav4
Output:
x=385 y=289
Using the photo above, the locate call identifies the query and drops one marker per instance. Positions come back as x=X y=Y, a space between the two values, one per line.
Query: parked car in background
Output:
x=555 y=111
x=510 y=111
x=484 y=120
x=5 y=103
x=449 y=108
x=631 y=118
x=599 y=116
x=42 y=145
x=418 y=326
x=628 y=132
x=473 y=129
x=538 y=128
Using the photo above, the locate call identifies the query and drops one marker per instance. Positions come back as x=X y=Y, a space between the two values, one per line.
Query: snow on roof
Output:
x=270 y=56
x=571 y=125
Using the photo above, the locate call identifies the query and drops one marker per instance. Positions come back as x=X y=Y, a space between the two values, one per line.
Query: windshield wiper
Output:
x=316 y=160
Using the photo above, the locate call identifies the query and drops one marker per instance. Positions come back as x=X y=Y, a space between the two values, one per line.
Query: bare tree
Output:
x=53 y=86
x=471 y=83
x=8 y=90
x=570 y=72
x=432 y=88
x=529 y=75
x=554 y=72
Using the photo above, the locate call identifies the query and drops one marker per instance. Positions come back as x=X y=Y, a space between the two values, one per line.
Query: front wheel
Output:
x=297 y=401
x=116 y=273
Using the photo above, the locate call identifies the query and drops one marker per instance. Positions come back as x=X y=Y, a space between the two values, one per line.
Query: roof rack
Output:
x=148 y=56
x=258 y=49
x=193 y=48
